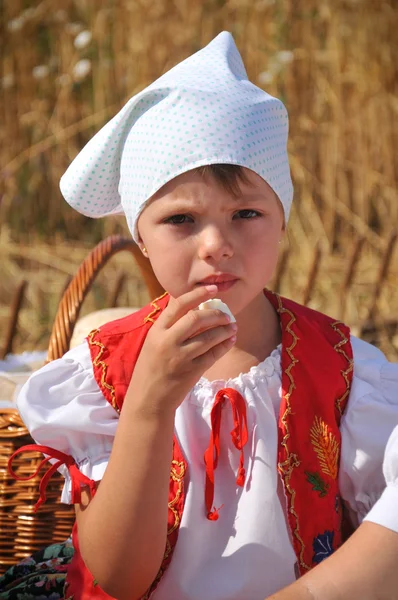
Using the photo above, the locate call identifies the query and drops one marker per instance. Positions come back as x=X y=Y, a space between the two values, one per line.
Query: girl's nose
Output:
x=214 y=244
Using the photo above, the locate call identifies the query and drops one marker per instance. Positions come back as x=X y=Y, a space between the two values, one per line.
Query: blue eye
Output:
x=179 y=220
x=246 y=213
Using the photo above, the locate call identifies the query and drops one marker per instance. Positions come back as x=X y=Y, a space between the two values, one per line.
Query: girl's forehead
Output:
x=196 y=186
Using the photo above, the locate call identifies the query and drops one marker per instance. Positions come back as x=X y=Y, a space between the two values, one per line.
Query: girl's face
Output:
x=195 y=232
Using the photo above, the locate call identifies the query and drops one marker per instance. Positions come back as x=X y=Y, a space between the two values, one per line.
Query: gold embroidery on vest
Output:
x=338 y=348
x=177 y=474
x=156 y=309
x=326 y=447
x=287 y=466
x=97 y=362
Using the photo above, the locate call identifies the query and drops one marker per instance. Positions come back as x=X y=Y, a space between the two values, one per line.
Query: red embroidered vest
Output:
x=317 y=370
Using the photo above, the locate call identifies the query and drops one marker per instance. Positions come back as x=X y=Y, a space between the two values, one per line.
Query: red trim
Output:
x=77 y=477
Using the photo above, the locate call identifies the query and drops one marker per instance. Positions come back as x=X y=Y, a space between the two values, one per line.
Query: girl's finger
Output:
x=207 y=360
x=178 y=307
x=196 y=322
x=208 y=340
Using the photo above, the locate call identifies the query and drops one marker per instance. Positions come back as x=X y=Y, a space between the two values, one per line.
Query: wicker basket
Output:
x=22 y=531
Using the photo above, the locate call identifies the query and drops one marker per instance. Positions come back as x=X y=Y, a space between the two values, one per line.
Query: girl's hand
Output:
x=181 y=345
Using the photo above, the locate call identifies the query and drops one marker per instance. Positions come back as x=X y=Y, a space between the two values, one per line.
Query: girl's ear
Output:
x=282 y=232
x=141 y=246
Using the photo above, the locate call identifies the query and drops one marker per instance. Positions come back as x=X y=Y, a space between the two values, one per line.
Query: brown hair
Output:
x=226 y=175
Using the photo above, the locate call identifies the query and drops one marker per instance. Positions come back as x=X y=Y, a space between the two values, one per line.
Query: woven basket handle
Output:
x=77 y=290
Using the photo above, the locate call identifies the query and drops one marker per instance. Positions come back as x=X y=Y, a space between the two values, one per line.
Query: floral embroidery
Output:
x=326 y=447
x=318 y=485
x=323 y=546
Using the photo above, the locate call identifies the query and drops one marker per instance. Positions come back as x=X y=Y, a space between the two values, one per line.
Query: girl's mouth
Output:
x=223 y=281
x=223 y=286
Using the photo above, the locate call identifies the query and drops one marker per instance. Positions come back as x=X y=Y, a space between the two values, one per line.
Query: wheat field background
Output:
x=67 y=67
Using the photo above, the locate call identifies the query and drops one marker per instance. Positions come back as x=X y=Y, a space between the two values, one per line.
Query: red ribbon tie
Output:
x=239 y=438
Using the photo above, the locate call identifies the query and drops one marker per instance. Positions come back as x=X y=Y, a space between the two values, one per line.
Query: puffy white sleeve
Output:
x=369 y=420
x=63 y=408
x=385 y=511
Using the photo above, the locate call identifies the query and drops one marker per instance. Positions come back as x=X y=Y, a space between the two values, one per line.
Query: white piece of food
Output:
x=218 y=304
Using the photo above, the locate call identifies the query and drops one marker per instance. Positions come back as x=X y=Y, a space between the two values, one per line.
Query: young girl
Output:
x=208 y=460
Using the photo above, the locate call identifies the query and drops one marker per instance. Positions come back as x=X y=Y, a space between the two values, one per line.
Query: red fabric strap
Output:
x=77 y=477
x=239 y=438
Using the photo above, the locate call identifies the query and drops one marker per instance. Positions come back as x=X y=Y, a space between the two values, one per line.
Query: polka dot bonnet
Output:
x=203 y=111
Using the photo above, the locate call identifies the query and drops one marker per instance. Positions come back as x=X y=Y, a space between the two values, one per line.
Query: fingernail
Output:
x=211 y=288
x=232 y=339
x=234 y=327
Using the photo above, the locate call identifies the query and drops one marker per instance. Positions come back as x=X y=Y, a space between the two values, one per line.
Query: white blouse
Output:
x=248 y=552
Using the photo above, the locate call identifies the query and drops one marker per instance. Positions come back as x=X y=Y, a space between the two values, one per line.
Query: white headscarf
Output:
x=203 y=111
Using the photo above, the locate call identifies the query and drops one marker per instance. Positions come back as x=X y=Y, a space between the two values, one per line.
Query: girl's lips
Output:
x=222 y=286
x=220 y=278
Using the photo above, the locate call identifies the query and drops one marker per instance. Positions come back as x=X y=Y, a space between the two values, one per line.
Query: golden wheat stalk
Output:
x=325 y=446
